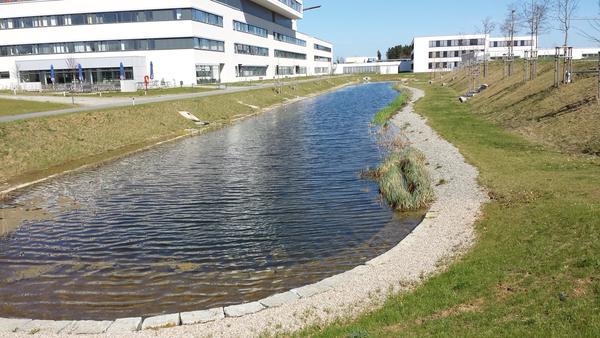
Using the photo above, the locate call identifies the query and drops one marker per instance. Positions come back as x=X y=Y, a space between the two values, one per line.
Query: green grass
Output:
x=535 y=269
x=17 y=107
x=404 y=180
x=385 y=114
x=158 y=92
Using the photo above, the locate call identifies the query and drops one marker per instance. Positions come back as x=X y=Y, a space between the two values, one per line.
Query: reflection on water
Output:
x=272 y=203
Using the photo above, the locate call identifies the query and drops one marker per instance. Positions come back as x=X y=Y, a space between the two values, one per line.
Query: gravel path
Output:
x=446 y=231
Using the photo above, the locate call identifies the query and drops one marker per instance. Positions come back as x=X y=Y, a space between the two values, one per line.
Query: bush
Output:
x=404 y=181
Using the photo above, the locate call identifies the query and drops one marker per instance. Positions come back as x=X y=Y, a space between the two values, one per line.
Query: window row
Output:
x=321 y=70
x=322 y=59
x=517 y=43
x=249 y=71
x=450 y=54
x=113 y=46
x=112 y=17
x=247 y=28
x=295 y=5
x=251 y=50
x=289 y=39
x=289 y=55
x=443 y=65
x=456 y=43
x=323 y=48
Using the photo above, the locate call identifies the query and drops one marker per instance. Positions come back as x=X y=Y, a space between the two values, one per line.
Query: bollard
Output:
x=133 y=101
x=73 y=100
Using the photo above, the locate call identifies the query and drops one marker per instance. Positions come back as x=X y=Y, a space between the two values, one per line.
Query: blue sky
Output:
x=360 y=28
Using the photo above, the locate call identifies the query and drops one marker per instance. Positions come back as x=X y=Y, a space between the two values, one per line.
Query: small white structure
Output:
x=382 y=67
x=359 y=59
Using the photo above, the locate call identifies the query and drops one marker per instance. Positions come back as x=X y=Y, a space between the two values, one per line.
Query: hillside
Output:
x=565 y=118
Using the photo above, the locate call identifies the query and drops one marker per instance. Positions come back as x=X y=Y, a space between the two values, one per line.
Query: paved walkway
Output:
x=97 y=103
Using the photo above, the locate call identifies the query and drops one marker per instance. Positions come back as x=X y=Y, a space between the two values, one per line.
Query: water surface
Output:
x=269 y=204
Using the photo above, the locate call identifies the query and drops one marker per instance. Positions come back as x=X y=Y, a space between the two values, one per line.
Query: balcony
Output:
x=292 y=9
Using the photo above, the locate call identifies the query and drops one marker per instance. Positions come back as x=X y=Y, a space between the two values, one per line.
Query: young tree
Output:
x=534 y=15
x=71 y=63
x=510 y=28
x=487 y=27
x=565 y=9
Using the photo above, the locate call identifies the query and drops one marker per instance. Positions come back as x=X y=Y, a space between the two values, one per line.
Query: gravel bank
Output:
x=446 y=231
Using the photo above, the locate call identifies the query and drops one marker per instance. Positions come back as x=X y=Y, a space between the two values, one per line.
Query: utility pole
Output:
x=511 y=48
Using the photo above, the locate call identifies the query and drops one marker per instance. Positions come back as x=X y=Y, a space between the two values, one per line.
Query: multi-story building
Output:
x=176 y=42
x=444 y=53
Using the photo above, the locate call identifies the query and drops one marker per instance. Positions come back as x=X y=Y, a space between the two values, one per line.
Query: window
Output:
x=208 y=18
x=289 y=39
x=289 y=55
x=250 y=71
x=322 y=48
x=211 y=45
x=4 y=75
x=322 y=59
x=321 y=70
x=250 y=50
x=284 y=70
x=112 y=46
x=250 y=29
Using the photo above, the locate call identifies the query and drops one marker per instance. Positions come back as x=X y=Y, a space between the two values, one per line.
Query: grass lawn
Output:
x=158 y=92
x=16 y=107
x=535 y=269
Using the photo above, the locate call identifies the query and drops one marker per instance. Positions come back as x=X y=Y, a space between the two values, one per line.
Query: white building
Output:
x=359 y=59
x=374 y=67
x=174 y=42
x=444 y=53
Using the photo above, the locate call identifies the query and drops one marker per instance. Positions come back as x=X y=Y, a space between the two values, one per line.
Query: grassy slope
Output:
x=34 y=148
x=535 y=270
x=16 y=107
x=521 y=106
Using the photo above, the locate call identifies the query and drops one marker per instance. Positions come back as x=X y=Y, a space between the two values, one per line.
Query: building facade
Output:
x=175 y=42
x=444 y=53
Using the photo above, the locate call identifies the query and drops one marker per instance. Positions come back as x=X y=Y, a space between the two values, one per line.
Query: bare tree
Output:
x=487 y=27
x=534 y=15
x=510 y=27
x=594 y=33
x=565 y=9
x=71 y=63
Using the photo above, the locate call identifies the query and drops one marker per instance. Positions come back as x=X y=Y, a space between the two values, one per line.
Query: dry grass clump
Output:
x=404 y=181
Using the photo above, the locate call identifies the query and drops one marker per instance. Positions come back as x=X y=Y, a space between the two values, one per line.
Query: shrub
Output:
x=404 y=181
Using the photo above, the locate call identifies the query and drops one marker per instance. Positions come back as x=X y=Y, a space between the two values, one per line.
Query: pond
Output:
x=271 y=203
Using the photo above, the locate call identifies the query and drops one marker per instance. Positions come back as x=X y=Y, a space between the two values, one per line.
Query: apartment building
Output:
x=176 y=42
x=444 y=53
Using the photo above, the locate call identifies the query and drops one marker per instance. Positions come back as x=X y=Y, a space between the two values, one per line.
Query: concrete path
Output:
x=97 y=103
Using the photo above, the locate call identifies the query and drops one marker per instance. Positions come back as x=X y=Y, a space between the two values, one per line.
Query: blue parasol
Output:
x=122 y=71
x=52 y=74
x=151 y=70
x=80 y=70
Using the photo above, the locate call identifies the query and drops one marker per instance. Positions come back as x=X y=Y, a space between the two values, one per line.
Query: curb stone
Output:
x=161 y=321
x=124 y=325
x=12 y=325
x=279 y=299
x=87 y=327
x=243 y=309
x=204 y=316
x=45 y=326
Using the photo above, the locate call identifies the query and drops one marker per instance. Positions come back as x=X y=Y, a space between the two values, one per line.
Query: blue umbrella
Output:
x=80 y=72
x=122 y=71
x=52 y=75
x=151 y=70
